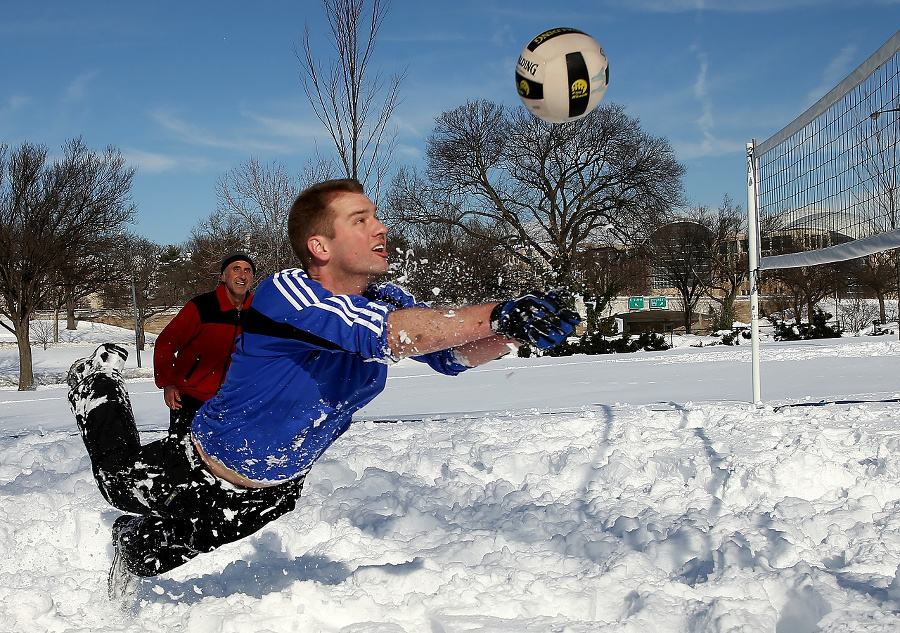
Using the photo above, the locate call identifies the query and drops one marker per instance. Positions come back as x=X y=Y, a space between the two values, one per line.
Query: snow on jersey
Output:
x=306 y=361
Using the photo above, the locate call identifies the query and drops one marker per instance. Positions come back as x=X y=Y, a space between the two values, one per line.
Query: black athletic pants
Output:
x=180 y=419
x=183 y=509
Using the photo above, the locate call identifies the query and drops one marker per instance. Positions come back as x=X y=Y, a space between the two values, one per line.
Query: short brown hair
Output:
x=310 y=214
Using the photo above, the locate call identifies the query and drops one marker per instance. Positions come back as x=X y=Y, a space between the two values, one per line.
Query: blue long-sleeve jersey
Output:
x=306 y=361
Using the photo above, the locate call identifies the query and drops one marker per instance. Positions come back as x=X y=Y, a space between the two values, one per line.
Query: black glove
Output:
x=536 y=318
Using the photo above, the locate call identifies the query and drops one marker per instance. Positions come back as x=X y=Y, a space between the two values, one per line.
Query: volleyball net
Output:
x=826 y=188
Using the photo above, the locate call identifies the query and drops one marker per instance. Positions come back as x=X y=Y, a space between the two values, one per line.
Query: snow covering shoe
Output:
x=96 y=380
x=122 y=585
x=107 y=358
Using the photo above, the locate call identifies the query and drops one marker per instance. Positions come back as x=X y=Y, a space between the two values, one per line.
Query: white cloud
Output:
x=835 y=72
x=15 y=103
x=706 y=121
x=725 y=6
x=689 y=150
x=408 y=151
x=503 y=35
x=708 y=144
x=245 y=142
x=157 y=163
x=78 y=87
x=292 y=128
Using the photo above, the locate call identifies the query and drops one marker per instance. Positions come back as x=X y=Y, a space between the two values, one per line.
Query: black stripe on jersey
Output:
x=256 y=322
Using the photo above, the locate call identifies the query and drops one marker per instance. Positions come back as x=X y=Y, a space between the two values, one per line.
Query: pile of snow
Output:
x=637 y=492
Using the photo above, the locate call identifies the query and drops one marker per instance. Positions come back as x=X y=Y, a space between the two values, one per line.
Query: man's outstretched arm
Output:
x=485 y=350
x=480 y=332
x=418 y=331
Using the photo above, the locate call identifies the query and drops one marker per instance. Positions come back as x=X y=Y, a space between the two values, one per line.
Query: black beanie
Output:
x=238 y=256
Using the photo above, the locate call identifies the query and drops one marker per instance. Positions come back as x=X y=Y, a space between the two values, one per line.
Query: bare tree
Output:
x=50 y=214
x=546 y=190
x=346 y=93
x=42 y=331
x=214 y=237
x=729 y=264
x=857 y=314
x=85 y=273
x=681 y=260
x=254 y=201
x=806 y=286
x=881 y=150
x=144 y=284
x=316 y=171
x=626 y=269
x=875 y=275
x=447 y=267
x=181 y=276
x=258 y=198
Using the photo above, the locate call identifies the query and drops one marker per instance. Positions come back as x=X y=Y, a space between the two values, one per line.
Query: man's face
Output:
x=237 y=277
x=359 y=245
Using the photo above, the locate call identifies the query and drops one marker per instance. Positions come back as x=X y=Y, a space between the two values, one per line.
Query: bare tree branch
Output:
x=352 y=101
x=547 y=190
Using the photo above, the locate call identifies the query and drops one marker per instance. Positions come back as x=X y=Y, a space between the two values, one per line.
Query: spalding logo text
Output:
x=551 y=33
x=528 y=66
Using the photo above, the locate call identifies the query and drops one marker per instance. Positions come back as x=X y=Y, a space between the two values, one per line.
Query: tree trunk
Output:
x=688 y=313
x=897 y=267
x=70 y=312
x=26 y=371
x=798 y=313
x=727 y=312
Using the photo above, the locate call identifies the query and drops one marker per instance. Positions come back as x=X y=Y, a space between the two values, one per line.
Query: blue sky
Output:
x=189 y=90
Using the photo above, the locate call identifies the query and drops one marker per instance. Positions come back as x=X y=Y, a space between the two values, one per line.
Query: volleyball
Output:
x=562 y=75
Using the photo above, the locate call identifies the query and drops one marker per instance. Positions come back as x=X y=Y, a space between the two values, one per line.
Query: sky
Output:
x=188 y=91
x=626 y=492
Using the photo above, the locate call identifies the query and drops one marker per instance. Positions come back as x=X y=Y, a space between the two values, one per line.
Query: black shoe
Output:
x=109 y=358
x=122 y=585
x=97 y=379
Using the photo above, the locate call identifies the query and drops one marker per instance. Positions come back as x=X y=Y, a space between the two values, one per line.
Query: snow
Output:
x=638 y=492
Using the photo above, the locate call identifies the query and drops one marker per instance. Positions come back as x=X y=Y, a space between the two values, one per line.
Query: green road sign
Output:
x=635 y=303
x=657 y=303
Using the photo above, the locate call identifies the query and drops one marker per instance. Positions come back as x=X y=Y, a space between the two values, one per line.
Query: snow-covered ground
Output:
x=636 y=492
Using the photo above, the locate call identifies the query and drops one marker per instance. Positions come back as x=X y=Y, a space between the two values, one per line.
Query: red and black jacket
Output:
x=194 y=349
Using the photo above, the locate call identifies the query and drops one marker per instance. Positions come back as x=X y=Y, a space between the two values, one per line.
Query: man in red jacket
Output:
x=192 y=353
